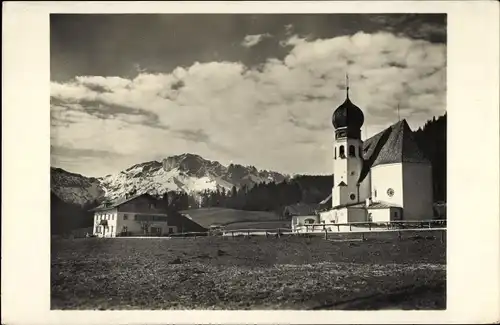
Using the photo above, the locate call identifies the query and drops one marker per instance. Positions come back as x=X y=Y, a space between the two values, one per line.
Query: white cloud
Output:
x=252 y=40
x=276 y=117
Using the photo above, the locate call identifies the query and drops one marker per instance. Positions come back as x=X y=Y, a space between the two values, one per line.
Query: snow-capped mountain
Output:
x=75 y=188
x=182 y=173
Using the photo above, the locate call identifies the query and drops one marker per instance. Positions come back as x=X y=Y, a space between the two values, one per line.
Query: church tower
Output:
x=347 y=120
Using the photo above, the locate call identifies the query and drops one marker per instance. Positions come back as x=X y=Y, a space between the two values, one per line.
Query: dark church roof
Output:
x=396 y=144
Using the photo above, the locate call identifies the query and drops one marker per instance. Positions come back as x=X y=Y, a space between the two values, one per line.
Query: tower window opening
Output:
x=352 y=151
x=342 y=152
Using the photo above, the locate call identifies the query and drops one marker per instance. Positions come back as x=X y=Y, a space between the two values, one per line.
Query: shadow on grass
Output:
x=407 y=298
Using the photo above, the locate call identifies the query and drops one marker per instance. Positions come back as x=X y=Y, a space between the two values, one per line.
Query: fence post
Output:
x=326 y=234
x=350 y=227
x=363 y=236
x=370 y=226
x=279 y=233
x=232 y=234
x=338 y=228
x=399 y=235
x=266 y=234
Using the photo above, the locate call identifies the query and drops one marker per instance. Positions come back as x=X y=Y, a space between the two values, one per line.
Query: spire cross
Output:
x=347 y=84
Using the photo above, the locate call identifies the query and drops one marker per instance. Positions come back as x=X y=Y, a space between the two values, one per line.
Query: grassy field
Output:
x=223 y=216
x=248 y=273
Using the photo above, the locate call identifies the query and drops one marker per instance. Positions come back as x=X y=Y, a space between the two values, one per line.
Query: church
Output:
x=382 y=179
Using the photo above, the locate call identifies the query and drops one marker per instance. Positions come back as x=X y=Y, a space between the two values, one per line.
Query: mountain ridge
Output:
x=188 y=173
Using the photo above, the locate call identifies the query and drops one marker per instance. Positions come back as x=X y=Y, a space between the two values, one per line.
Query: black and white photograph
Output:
x=237 y=162
x=248 y=161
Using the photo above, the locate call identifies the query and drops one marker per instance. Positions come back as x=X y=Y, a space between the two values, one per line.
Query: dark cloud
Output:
x=305 y=125
x=195 y=136
x=116 y=44
x=77 y=152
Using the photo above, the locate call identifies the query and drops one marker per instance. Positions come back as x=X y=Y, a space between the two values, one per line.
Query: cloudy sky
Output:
x=250 y=89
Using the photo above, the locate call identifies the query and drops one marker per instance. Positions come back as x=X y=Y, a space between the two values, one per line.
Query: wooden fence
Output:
x=361 y=228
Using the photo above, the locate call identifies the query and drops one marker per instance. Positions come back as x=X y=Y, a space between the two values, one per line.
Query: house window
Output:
x=170 y=230
x=151 y=205
x=335 y=150
x=97 y=229
x=395 y=215
x=112 y=217
x=342 y=152
x=375 y=193
x=125 y=217
x=352 y=151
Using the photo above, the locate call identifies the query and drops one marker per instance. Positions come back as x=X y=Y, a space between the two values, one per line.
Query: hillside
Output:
x=223 y=216
x=75 y=188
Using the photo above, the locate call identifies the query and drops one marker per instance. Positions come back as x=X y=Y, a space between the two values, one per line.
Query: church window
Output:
x=342 y=152
x=390 y=192
x=352 y=151
x=352 y=196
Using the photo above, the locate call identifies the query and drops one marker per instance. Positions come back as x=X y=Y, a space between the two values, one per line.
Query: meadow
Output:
x=236 y=219
x=249 y=273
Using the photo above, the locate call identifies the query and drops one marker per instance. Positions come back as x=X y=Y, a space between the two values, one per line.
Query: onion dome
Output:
x=348 y=115
x=348 y=118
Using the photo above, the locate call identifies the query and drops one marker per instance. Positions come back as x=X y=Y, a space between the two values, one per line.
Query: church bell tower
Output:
x=347 y=120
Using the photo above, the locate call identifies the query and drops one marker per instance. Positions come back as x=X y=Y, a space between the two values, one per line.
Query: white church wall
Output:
x=340 y=195
x=327 y=217
x=417 y=181
x=387 y=183
x=365 y=188
x=380 y=215
x=347 y=170
x=342 y=216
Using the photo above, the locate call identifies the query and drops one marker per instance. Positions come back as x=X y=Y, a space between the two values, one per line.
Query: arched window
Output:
x=352 y=151
x=342 y=152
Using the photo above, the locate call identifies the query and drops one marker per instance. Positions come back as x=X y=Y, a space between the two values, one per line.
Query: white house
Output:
x=133 y=215
x=382 y=179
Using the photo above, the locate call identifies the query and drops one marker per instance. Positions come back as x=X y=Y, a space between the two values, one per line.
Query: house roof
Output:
x=373 y=205
x=118 y=202
x=301 y=209
x=395 y=144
